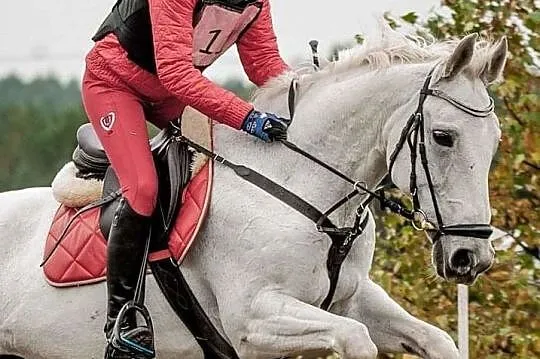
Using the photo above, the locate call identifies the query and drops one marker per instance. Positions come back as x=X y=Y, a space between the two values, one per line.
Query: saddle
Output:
x=172 y=159
x=75 y=251
x=75 y=246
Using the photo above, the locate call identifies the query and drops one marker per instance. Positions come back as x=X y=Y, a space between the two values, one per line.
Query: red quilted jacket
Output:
x=173 y=36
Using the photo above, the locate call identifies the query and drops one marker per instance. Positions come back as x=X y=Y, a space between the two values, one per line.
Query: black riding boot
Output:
x=125 y=253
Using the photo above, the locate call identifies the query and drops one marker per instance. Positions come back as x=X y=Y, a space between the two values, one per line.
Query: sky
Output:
x=40 y=37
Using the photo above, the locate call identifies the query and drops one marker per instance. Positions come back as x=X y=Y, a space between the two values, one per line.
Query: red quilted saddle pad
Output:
x=81 y=256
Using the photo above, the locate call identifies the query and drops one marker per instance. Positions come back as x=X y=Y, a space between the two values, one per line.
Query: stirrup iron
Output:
x=125 y=343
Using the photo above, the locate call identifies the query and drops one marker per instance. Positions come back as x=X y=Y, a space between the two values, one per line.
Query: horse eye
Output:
x=443 y=138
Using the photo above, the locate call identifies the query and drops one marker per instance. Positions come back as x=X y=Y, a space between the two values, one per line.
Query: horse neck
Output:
x=346 y=122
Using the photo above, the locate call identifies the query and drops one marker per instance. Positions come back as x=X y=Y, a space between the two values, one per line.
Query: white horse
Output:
x=259 y=267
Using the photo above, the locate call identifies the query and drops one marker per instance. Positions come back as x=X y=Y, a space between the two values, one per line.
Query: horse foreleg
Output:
x=277 y=325
x=393 y=329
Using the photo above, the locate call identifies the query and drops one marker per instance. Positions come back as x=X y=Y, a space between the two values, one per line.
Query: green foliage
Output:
x=47 y=93
x=504 y=303
x=410 y=17
x=38 y=122
x=359 y=38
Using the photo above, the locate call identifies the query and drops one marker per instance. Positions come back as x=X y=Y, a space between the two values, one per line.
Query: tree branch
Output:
x=525 y=162
x=530 y=164
x=512 y=113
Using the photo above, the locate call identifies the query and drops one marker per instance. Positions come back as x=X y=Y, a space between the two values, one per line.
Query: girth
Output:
x=172 y=164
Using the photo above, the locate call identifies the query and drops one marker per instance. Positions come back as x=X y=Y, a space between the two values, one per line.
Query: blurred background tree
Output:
x=38 y=122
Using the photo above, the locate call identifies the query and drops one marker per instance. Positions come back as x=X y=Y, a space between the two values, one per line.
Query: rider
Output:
x=146 y=65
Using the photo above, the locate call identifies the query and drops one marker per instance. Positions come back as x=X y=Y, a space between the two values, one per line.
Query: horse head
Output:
x=442 y=156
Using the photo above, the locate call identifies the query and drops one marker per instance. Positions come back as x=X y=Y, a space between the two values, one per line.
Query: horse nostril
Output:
x=462 y=258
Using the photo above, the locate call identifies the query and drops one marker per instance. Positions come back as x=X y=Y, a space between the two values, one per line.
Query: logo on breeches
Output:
x=107 y=121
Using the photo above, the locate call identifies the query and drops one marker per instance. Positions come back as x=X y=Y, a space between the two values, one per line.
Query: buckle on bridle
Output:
x=420 y=221
x=360 y=187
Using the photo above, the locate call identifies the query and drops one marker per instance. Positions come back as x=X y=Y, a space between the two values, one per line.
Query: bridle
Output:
x=414 y=134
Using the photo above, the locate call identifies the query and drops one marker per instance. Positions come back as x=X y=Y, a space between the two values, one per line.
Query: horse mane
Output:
x=389 y=47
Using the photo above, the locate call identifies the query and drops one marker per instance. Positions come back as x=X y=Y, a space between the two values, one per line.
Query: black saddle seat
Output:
x=90 y=144
x=90 y=157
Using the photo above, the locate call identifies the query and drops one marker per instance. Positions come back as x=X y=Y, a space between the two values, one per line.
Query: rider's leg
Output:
x=118 y=119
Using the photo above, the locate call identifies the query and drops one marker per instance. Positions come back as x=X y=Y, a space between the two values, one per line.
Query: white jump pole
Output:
x=463 y=321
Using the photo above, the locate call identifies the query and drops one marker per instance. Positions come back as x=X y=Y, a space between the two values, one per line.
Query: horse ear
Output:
x=495 y=66
x=461 y=57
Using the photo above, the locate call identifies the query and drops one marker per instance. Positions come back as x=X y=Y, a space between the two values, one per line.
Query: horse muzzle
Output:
x=462 y=264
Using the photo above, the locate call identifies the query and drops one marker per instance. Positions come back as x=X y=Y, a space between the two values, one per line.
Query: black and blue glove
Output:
x=266 y=126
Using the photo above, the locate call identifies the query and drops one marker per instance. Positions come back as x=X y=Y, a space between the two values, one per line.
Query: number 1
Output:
x=215 y=34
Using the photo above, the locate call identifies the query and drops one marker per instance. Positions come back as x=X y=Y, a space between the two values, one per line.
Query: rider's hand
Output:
x=266 y=126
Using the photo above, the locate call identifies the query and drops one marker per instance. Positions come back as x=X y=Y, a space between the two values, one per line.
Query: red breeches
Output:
x=119 y=117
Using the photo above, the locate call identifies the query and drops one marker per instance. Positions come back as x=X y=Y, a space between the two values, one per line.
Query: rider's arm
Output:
x=258 y=49
x=173 y=33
